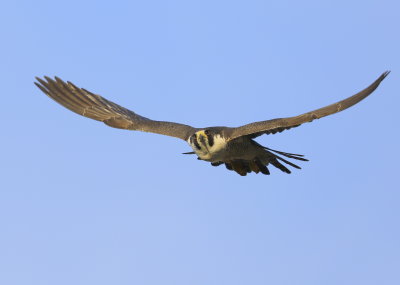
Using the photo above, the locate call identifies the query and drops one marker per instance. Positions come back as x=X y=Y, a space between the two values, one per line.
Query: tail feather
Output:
x=287 y=154
x=279 y=165
x=263 y=168
x=287 y=162
x=274 y=157
x=254 y=167
x=260 y=163
x=241 y=167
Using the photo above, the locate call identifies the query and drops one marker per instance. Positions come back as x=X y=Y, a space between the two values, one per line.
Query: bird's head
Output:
x=207 y=141
x=202 y=140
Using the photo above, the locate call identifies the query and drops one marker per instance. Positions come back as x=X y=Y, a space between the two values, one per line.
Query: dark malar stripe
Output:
x=195 y=142
x=210 y=139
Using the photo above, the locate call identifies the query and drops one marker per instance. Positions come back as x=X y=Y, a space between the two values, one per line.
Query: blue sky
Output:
x=82 y=203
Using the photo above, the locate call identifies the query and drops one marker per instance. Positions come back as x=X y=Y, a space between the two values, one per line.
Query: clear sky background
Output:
x=82 y=203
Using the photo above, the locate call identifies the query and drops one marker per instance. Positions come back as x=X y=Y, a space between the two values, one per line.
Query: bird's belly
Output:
x=239 y=149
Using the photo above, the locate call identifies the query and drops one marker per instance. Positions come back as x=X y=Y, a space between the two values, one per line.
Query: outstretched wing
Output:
x=98 y=108
x=281 y=124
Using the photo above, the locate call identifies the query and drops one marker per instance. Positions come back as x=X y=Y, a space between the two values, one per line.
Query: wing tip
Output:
x=48 y=78
x=41 y=84
x=375 y=84
x=383 y=76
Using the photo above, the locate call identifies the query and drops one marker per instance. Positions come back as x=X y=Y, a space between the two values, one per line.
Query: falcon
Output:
x=234 y=147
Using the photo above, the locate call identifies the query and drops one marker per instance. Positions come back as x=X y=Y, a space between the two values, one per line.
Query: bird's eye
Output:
x=207 y=132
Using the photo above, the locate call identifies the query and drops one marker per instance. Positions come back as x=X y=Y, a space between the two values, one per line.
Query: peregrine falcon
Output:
x=234 y=147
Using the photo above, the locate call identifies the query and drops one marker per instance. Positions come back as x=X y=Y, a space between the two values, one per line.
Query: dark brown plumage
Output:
x=278 y=125
x=233 y=147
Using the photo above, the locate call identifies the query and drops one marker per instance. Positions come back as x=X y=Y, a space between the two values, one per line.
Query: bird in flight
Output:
x=234 y=147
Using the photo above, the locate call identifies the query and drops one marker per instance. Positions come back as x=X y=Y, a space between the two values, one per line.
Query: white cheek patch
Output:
x=195 y=149
x=219 y=143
